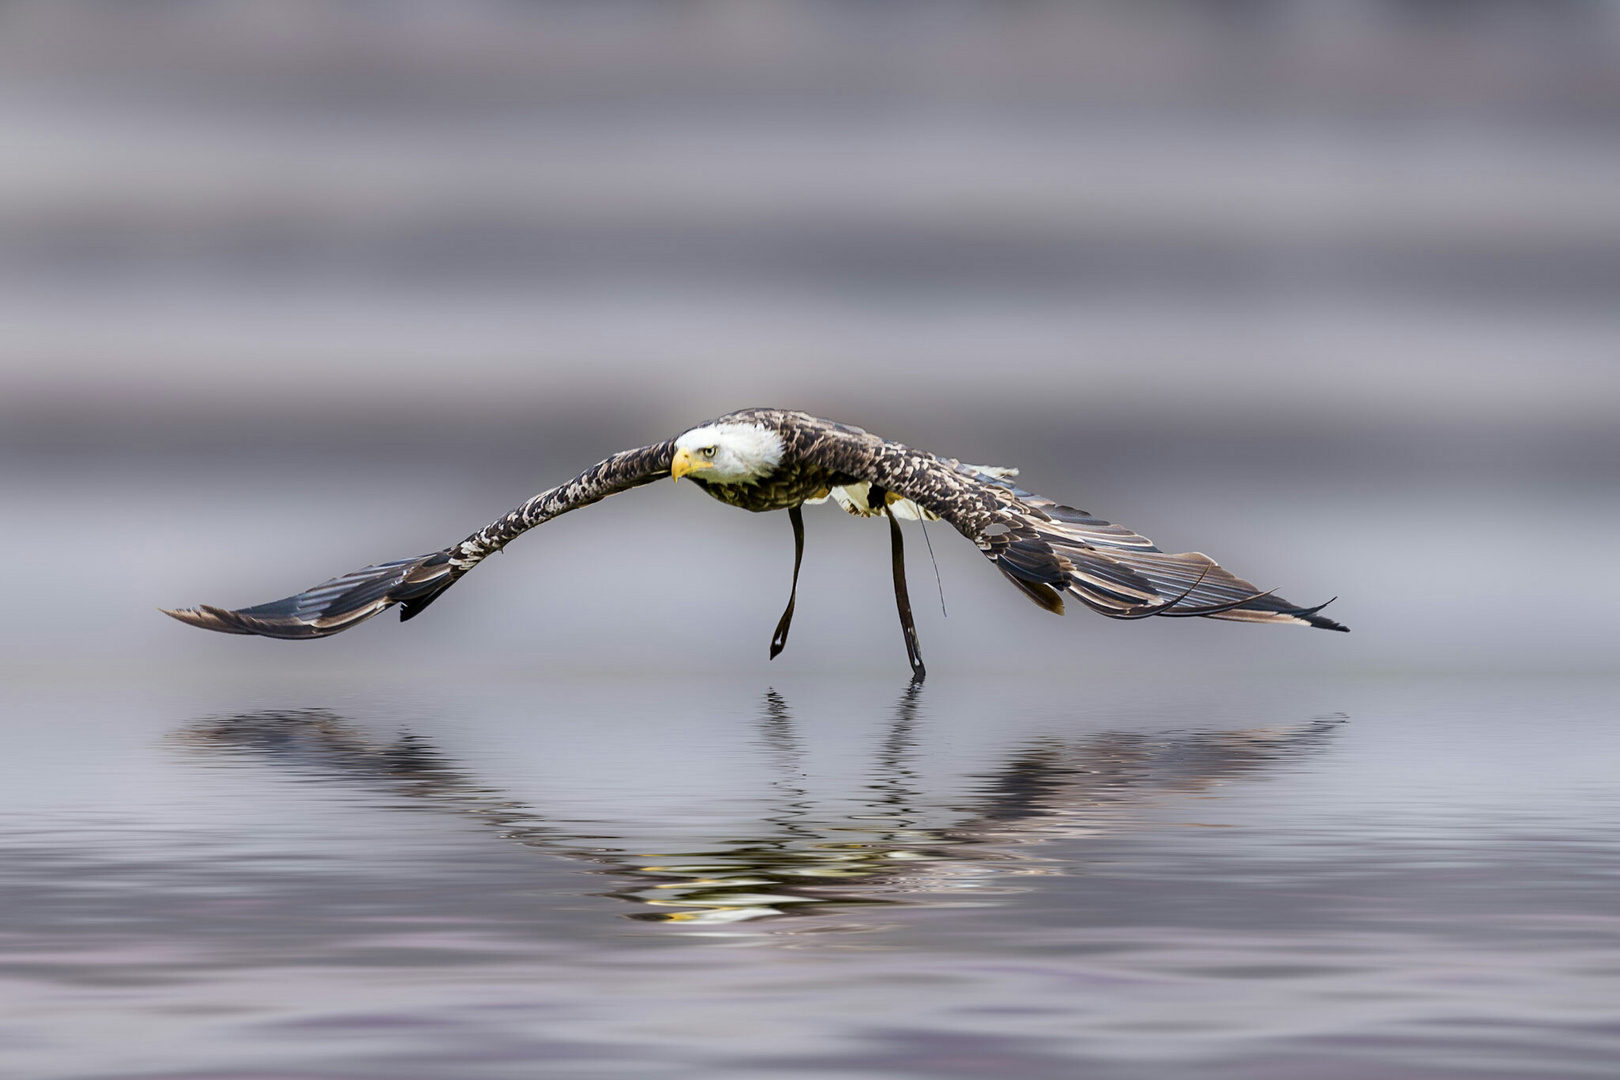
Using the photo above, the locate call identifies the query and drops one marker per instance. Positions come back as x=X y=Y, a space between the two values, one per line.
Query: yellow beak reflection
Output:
x=685 y=463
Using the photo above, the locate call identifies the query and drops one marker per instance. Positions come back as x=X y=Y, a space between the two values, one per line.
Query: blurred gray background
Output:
x=1325 y=288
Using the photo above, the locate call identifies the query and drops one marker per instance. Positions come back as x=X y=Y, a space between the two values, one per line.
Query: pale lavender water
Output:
x=571 y=823
x=510 y=876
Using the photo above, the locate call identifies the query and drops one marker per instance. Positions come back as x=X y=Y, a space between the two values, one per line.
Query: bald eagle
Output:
x=773 y=459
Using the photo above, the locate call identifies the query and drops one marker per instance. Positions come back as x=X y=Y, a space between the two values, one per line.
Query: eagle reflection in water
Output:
x=804 y=861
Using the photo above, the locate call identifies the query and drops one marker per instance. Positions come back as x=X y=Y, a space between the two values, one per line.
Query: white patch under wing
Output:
x=853 y=498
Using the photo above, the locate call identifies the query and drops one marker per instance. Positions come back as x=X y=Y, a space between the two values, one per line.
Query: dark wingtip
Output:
x=204 y=618
x=333 y=606
x=1321 y=622
x=225 y=621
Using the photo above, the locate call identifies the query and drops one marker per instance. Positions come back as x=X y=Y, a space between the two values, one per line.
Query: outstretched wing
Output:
x=1046 y=549
x=333 y=605
x=342 y=602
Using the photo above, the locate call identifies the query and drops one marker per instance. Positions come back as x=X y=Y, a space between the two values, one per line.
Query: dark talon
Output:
x=897 y=546
x=779 y=639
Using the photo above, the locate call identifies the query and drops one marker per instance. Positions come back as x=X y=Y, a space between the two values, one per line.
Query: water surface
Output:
x=518 y=875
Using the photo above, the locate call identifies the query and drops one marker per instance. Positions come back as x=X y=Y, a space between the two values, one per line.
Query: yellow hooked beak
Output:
x=686 y=462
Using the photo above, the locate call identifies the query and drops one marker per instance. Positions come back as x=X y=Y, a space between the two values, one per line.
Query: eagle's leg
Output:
x=779 y=639
x=897 y=548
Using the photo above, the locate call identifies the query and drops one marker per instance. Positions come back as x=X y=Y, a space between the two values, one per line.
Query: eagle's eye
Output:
x=707 y=452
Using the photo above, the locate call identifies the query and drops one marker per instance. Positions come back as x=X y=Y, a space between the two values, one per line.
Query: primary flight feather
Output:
x=773 y=459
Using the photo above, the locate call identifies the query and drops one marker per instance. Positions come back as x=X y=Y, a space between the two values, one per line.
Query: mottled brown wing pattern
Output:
x=333 y=606
x=1119 y=573
x=1046 y=549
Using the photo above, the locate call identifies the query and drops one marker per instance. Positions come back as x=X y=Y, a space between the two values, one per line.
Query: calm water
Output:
x=572 y=823
x=387 y=874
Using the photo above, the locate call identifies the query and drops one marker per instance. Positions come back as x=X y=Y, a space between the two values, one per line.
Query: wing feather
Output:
x=1122 y=574
x=1047 y=549
x=350 y=599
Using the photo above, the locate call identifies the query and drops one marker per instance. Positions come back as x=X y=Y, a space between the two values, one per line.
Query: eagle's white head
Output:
x=727 y=453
